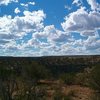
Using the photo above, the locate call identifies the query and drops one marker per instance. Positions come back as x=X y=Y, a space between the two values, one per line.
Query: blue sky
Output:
x=49 y=27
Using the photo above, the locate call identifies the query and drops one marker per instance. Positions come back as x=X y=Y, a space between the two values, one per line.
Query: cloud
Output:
x=24 y=5
x=12 y=46
x=27 y=4
x=54 y=42
x=51 y=34
x=2 y=42
x=68 y=7
x=77 y=2
x=82 y=22
x=6 y=2
x=94 y=4
x=13 y=30
x=47 y=41
x=92 y=43
x=27 y=35
x=19 y=26
x=31 y=3
x=17 y=10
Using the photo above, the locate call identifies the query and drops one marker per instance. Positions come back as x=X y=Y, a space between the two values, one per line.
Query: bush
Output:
x=95 y=78
x=68 y=78
x=82 y=79
x=95 y=82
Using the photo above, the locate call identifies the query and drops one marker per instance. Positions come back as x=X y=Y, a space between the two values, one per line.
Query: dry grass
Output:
x=77 y=92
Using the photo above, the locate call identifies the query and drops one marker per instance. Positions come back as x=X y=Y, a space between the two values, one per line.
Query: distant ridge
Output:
x=47 y=56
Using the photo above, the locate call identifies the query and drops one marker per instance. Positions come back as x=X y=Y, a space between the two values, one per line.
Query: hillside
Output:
x=50 y=78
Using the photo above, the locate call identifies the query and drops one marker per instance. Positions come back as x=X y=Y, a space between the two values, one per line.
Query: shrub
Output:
x=82 y=79
x=95 y=78
x=95 y=81
x=68 y=78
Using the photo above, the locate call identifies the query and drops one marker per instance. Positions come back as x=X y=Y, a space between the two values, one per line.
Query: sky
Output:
x=49 y=27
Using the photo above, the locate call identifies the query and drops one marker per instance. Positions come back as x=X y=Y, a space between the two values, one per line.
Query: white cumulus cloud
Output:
x=83 y=22
x=17 y=27
x=94 y=4
x=6 y=2
x=77 y=2
x=31 y=3
x=17 y=10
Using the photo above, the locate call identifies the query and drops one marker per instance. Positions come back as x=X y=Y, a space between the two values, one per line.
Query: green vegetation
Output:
x=68 y=78
x=95 y=81
x=49 y=78
x=22 y=86
x=95 y=78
